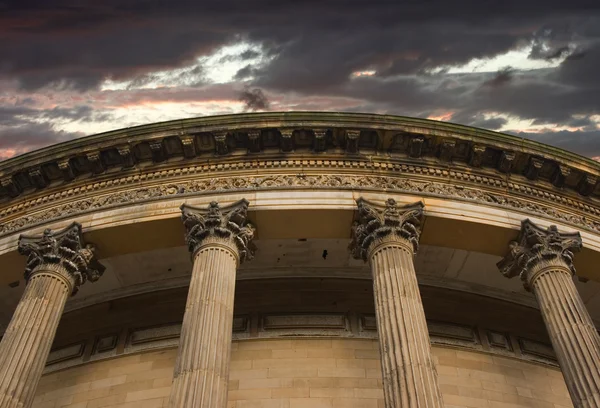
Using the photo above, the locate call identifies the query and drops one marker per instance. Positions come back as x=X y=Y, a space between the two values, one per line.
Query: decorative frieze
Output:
x=540 y=203
x=200 y=136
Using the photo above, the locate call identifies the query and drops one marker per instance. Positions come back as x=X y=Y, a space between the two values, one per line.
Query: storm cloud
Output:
x=379 y=56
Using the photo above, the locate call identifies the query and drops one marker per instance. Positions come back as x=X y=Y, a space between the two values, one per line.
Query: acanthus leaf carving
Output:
x=536 y=246
x=376 y=221
x=65 y=248
x=396 y=184
x=228 y=223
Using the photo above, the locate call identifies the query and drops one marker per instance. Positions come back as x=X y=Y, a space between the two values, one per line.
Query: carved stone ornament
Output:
x=227 y=223
x=536 y=245
x=376 y=221
x=65 y=248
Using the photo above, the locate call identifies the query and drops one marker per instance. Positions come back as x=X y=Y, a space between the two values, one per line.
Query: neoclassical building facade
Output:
x=300 y=259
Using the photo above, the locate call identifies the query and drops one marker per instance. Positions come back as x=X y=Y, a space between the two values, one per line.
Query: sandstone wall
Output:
x=299 y=373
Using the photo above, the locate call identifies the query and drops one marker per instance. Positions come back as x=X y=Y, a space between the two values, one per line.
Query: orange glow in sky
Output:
x=444 y=116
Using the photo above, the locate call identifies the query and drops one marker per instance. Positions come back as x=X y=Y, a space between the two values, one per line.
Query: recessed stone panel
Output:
x=537 y=351
x=303 y=321
x=498 y=340
x=153 y=337
x=66 y=353
x=105 y=343
x=368 y=322
x=452 y=334
x=303 y=324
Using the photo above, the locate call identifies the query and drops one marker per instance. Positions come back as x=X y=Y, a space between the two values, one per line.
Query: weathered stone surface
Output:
x=544 y=260
x=387 y=237
x=66 y=250
x=219 y=240
x=57 y=264
x=227 y=225
x=536 y=248
x=376 y=222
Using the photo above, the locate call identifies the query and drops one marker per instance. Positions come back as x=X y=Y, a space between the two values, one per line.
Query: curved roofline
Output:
x=225 y=121
x=281 y=134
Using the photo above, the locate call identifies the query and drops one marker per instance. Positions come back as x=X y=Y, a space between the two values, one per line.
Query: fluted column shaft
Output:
x=571 y=330
x=202 y=367
x=409 y=373
x=219 y=239
x=26 y=343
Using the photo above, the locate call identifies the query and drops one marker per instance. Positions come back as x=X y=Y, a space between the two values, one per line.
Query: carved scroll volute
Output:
x=536 y=248
x=63 y=251
x=227 y=225
x=376 y=222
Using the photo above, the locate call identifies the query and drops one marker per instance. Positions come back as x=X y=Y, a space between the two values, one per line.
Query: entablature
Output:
x=314 y=135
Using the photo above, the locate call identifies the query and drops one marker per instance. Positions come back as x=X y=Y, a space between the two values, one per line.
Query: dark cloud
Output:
x=586 y=143
x=254 y=99
x=249 y=54
x=314 y=50
x=75 y=45
x=30 y=136
x=23 y=129
x=502 y=77
x=480 y=121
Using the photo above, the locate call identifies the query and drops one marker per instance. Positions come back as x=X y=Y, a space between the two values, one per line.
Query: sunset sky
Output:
x=75 y=68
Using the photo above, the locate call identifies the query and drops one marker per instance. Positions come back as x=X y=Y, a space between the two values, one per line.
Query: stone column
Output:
x=219 y=239
x=387 y=237
x=543 y=258
x=57 y=264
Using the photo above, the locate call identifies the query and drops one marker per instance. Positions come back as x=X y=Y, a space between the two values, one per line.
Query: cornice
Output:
x=136 y=151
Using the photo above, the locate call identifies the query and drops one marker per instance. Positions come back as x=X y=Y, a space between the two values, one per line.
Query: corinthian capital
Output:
x=538 y=247
x=64 y=252
x=379 y=221
x=228 y=225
